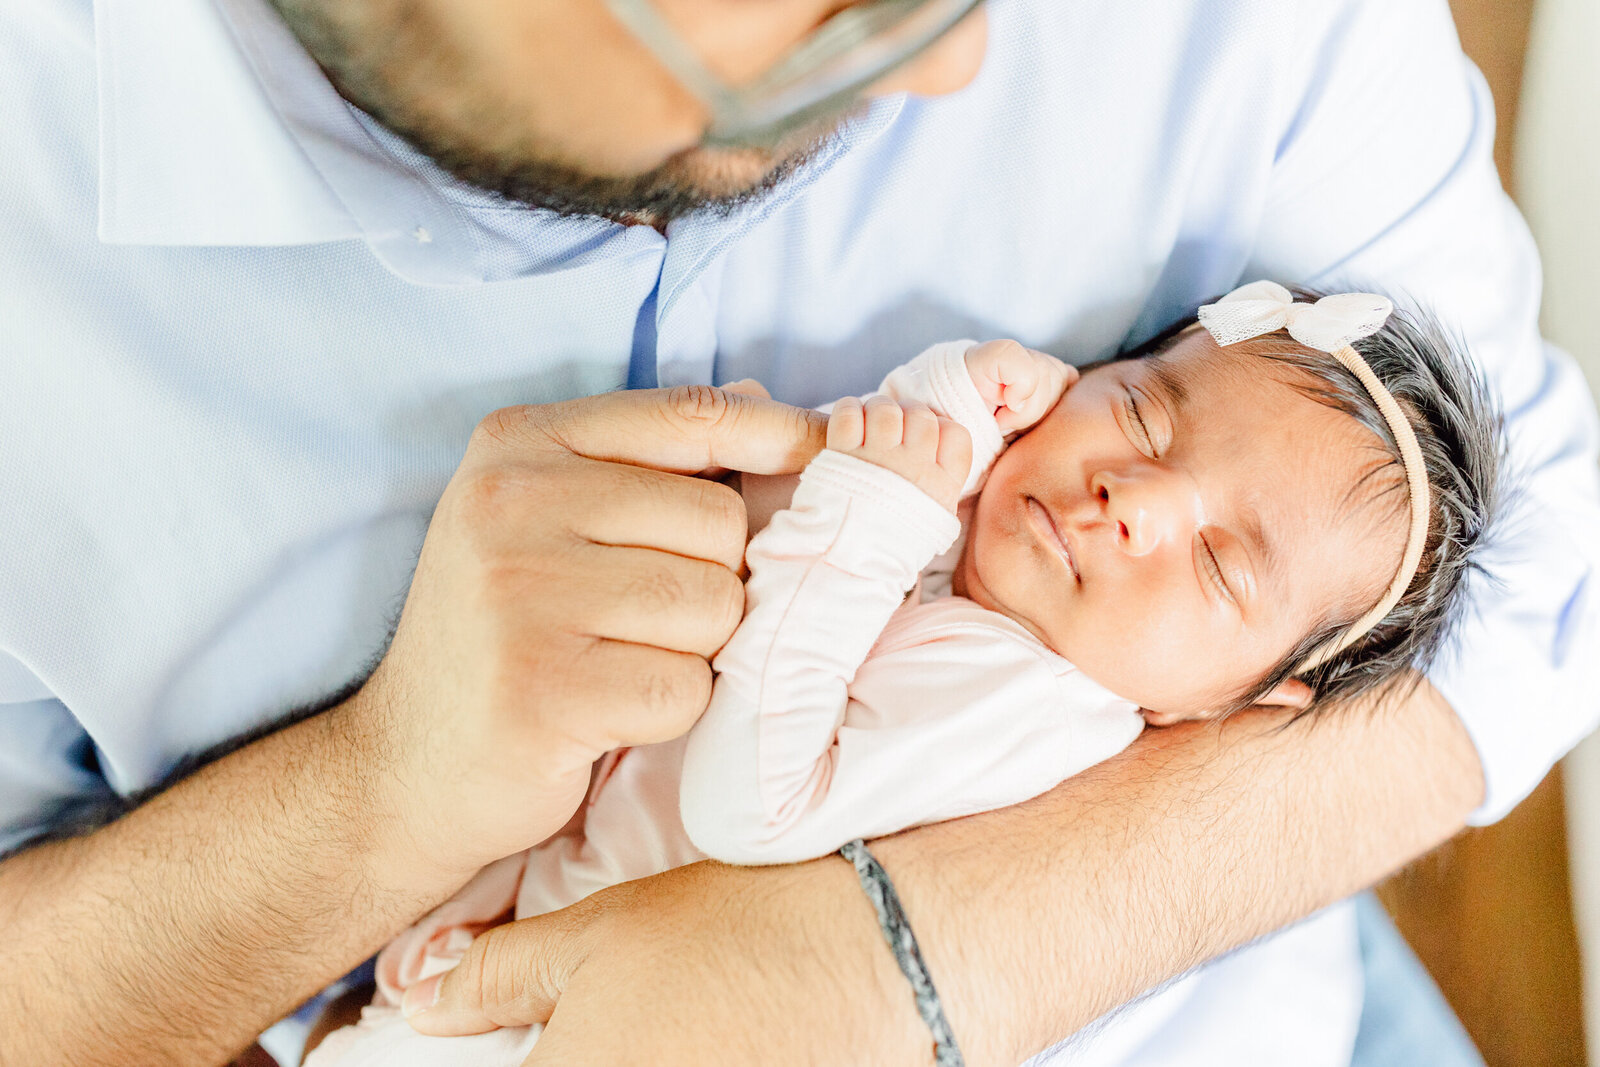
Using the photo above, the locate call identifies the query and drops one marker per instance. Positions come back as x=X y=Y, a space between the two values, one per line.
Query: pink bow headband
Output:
x=1329 y=325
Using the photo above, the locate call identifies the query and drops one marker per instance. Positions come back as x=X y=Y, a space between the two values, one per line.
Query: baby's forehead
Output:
x=1244 y=391
x=1191 y=368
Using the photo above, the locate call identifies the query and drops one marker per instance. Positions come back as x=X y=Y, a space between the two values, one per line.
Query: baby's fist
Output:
x=931 y=452
x=1019 y=385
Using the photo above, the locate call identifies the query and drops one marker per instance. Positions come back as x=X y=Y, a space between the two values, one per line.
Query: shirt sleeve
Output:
x=939 y=378
x=1385 y=178
x=48 y=776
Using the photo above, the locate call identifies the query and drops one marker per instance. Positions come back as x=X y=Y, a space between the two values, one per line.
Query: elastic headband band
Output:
x=1329 y=326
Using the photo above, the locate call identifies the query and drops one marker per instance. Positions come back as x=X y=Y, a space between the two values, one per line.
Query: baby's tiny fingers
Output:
x=921 y=432
x=847 y=425
x=1017 y=394
x=885 y=421
x=955 y=448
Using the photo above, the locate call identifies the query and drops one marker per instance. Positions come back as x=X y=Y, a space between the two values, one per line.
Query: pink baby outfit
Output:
x=842 y=708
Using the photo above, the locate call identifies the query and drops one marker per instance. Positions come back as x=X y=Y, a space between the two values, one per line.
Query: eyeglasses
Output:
x=822 y=75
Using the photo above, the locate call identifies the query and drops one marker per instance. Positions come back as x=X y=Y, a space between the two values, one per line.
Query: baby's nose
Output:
x=1145 y=510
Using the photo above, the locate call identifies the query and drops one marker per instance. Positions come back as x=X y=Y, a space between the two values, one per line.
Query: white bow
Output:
x=1262 y=307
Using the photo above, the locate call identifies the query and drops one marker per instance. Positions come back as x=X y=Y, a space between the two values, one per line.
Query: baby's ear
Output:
x=1289 y=693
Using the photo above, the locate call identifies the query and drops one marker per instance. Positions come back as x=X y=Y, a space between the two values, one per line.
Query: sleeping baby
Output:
x=998 y=573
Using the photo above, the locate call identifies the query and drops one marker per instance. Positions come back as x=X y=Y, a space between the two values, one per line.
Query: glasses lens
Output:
x=825 y=74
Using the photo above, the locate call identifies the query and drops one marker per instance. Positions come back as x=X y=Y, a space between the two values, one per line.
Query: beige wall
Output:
x=1558 y=169
x=1558 y=178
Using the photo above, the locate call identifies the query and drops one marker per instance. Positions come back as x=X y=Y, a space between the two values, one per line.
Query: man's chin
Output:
x=730 y=173
x=723 y=176
x=697 y=181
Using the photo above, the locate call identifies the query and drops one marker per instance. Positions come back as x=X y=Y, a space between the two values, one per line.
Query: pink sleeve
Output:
x=959 y=710
x=825 y=576
x=939 y=378
x=956 y=711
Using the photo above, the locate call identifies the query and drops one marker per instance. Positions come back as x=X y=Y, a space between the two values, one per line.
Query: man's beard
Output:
x=686 y=184
x=388 y=56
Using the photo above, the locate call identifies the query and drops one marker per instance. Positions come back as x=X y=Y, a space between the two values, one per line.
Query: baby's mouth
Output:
x=1045 y=528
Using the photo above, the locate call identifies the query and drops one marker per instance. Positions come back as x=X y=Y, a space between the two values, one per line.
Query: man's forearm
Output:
x=1196 y=840
x=177 y=933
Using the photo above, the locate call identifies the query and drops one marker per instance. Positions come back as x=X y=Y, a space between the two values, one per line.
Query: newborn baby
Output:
x=1234 y=516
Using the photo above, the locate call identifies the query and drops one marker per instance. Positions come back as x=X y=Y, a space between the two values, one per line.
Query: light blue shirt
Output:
x=247 y=333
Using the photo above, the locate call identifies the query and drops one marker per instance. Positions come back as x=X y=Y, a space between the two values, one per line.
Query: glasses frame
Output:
x=822 y=75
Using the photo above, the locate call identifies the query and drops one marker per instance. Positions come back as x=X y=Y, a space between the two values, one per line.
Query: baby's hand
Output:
x=1019 y=384
x=929 y=451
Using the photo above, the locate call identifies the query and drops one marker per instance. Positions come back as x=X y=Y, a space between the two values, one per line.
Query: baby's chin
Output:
x=967 y=582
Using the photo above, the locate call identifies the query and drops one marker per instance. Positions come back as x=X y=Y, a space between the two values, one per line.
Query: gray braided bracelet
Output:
x=903 y=943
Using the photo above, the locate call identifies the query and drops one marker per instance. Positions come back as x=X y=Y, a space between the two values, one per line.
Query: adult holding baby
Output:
x=535 y=639
x=289 y=448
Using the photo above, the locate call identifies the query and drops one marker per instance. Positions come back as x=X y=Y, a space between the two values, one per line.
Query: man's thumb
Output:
x=512 y=975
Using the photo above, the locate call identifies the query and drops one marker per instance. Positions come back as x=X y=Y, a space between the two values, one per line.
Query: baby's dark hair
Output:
x=1459 y=430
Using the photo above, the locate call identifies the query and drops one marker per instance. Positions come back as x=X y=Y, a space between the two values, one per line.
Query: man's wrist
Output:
x=895 y=925
x=886 y=1020
x=978 y=1010
x=383 y=804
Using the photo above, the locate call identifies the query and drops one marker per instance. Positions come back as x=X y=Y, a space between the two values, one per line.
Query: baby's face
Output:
x=1175 y=528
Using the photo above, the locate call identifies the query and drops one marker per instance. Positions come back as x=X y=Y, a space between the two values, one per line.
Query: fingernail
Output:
x=422 y=996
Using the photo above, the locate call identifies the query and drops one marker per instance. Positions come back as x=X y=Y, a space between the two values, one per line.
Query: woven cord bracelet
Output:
x=903 y=943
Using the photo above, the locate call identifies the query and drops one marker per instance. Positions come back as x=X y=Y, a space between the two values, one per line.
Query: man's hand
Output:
x=796 y=971
x=1019 y=385
x=565 y=603
x=930 y=451
x=552 y=580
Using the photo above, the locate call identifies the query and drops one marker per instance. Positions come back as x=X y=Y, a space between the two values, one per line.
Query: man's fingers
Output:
x=512 y=975
x=653 y=598
x=686 y=429
x=648 y=694
x=747 y=386
x=649 y=509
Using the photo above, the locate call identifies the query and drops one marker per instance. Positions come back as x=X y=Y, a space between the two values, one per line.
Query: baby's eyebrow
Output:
x=1262 y=548
x=1169 y=384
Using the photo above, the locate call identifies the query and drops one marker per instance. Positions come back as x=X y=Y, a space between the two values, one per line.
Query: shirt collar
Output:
x=192 y=150
x=217 y=128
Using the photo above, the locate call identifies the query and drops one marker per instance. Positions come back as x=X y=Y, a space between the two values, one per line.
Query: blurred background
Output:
x=1505 y=917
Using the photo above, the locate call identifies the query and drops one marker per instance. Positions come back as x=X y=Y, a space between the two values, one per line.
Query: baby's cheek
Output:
x=1157 y=658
